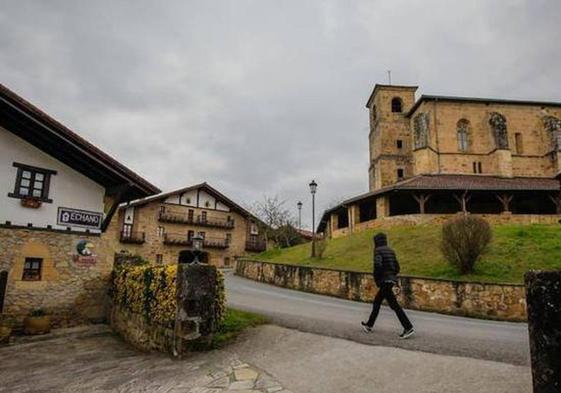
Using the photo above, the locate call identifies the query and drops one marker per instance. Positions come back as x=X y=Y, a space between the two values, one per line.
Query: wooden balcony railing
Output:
x=133 y=237
x=183 y=218
x=255 y=245
x=175 y=239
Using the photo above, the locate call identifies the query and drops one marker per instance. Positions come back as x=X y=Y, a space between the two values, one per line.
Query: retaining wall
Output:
x=482 y=300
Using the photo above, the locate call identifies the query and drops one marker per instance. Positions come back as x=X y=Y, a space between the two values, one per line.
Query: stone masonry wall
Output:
x=72 y=288
x=481 y=300
x=438 y=219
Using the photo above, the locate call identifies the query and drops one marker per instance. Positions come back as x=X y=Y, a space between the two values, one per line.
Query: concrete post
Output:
x=543 y=293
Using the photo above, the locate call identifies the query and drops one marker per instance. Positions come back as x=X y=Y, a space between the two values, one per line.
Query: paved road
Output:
x=491 y=340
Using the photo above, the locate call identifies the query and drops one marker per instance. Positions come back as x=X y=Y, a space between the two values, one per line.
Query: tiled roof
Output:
x=456 y=183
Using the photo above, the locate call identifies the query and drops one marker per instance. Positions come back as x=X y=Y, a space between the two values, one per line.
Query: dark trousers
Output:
x=386 y=292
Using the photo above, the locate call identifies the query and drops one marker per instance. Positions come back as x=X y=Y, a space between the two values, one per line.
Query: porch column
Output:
x=556 y=199
x=505 y=199
x=463 y=200
x=422 y=199
x=382 y=206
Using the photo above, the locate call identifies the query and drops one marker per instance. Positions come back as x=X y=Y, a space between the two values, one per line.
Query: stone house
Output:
x=59 y=194
x=441 y=154
x=160 y=227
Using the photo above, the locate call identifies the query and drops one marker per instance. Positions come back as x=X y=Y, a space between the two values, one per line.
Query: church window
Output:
x=396 y=105
x=463 y=135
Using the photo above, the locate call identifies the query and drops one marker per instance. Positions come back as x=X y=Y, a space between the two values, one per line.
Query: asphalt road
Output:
x=449 y=335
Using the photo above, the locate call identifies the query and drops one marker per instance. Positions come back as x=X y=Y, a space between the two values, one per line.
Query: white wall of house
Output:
x=189 y=198
x=68 y=188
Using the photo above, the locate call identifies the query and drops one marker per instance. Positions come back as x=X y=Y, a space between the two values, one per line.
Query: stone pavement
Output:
x=268 y=359
x=98 y=361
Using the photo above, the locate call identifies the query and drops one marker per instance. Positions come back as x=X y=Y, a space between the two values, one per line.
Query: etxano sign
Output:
x=79 y=218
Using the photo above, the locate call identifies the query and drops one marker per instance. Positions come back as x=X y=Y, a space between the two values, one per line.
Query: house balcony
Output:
x=173 y=239
x=182 y=218
x=132 y=237
x=255 y=245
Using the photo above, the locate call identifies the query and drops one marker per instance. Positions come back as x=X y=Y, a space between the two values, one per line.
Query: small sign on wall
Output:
x=85 y=255
x=79 y=218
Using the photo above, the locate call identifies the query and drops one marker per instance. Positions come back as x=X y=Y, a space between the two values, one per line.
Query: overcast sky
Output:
x=260 y=97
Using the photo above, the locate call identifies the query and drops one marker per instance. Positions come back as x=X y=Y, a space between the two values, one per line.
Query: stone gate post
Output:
x=543 y=292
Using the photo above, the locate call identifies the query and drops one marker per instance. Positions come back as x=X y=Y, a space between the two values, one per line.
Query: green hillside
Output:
x=513 y=250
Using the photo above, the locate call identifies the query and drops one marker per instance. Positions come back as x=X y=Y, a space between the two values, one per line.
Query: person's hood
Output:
x=380 y=240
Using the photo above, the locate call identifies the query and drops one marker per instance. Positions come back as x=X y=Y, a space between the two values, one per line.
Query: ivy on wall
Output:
x=151 y=291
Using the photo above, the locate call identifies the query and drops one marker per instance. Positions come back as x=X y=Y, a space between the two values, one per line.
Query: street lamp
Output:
x=299 y=204
x=313 y=188
x=197 y=246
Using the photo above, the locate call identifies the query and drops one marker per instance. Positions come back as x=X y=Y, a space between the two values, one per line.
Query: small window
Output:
x=190 y=235
x=399 y=144
x=162 y=209
x=228 y=238
x=188 y=201
x=32 y=269
x=202 y=234
x=518 y=143
x=159 y=259
x=396 y=105
x=400 y=174
x=479 y=167
x=32 y=182
x=207 y=204
x=227 y=261
x=190 y=215
x=161 y=231
x=203 y=216
x=475 y=167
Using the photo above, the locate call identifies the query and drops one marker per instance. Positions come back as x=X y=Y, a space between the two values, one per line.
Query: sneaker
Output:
x=366 y=328
x=407 y=333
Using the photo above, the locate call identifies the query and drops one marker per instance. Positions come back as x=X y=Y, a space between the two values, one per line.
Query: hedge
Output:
x=151 y=292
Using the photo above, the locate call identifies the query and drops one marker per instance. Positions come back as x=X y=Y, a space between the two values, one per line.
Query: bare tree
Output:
x=278 y=223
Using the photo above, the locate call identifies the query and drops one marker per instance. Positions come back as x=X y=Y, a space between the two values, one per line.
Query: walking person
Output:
x=386 y=269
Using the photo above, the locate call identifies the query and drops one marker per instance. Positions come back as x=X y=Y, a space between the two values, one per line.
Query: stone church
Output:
x=440 y=155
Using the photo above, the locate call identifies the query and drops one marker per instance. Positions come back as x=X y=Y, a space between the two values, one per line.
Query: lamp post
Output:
x=197 y=246
x=313 y=188
x=299 y=204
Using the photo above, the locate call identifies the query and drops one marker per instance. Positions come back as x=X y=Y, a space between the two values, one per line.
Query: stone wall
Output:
x=167 y=308
x=438 y=219
x=481 y=300
x=72 y=287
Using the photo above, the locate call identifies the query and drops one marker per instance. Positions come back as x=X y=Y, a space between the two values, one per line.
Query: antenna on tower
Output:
x=389 y=77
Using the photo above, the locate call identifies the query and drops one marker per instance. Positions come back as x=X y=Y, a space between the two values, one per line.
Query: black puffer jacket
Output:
x=386 y=266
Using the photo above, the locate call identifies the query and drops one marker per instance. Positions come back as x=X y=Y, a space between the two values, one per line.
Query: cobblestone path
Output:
x=104 y=363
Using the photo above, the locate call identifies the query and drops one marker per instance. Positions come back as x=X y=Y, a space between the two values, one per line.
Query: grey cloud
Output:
x=259 y=97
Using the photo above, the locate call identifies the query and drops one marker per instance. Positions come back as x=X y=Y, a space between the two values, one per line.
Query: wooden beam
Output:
x=422 y=199
x=118 y=198
x=505 y=199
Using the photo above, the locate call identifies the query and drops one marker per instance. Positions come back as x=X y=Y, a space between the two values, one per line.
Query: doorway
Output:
x=3 y=285
x=188 y=256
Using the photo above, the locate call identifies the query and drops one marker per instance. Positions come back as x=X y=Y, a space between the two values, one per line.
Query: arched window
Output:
x=463 y=135
x=498 y=126
x=396 y=105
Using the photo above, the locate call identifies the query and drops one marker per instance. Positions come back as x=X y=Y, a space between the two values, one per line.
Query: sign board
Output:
x=79 y=218
x=85 y=255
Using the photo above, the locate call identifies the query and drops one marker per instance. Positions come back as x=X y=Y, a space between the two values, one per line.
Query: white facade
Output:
x=190 y=198
x=68 y=188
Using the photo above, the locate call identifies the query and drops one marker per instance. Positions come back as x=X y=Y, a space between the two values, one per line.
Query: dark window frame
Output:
x=400 y=173
x=397 y=105
x=399 y=144
x=34 y=171
x=31 y=273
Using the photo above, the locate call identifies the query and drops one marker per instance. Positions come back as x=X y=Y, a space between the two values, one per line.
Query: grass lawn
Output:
x=235 y=321
x=513 y=250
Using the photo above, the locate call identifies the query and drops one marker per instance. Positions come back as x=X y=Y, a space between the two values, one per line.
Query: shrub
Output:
x=463 y=241
x=151 y=291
